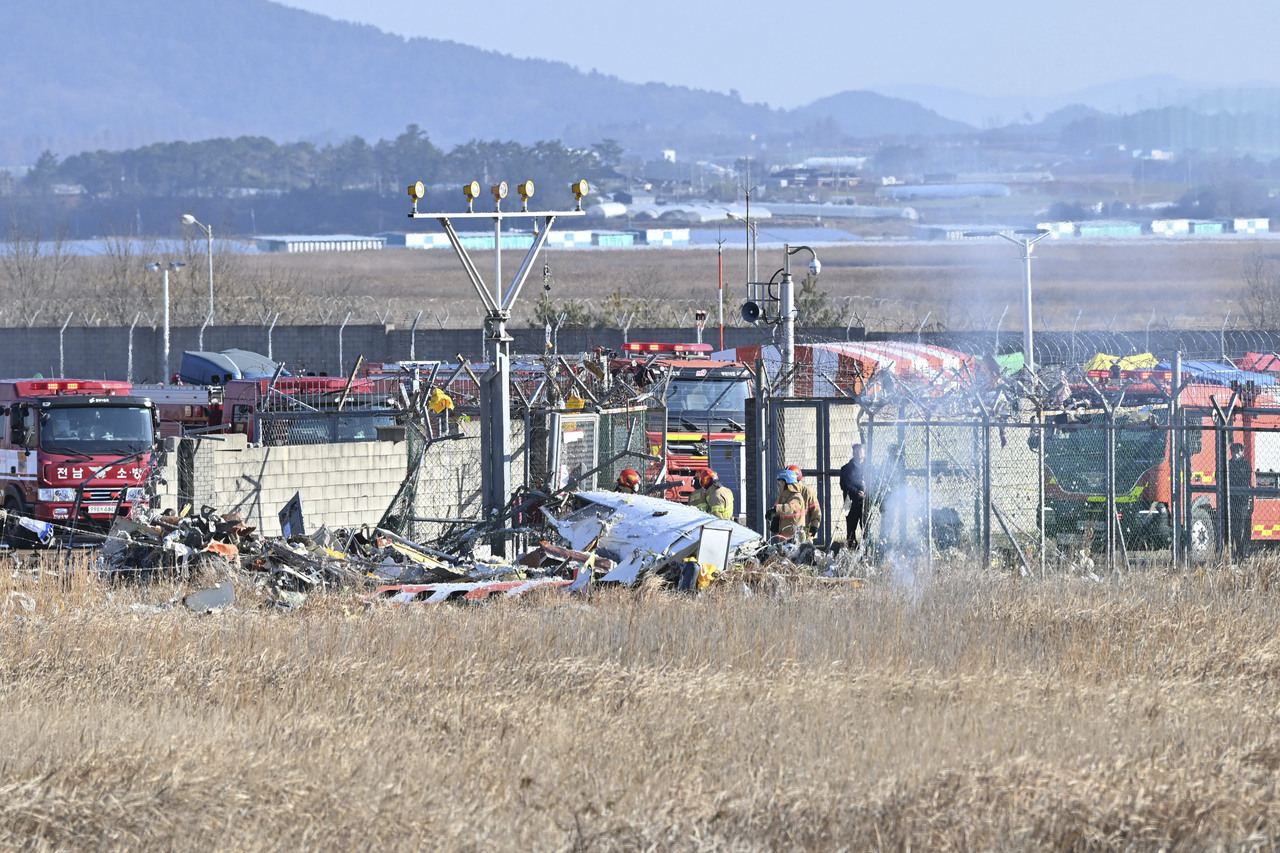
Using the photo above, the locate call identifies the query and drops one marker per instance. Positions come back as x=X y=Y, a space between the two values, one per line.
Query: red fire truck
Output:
x=287 y=410
x=1075 y=459
x=706 y=401
x=73 y=445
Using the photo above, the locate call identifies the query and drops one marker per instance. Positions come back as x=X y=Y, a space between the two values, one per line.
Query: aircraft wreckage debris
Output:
x=606 y=537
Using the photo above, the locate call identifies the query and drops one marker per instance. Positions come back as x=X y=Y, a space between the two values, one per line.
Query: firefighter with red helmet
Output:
x=809 y=496
x=628 y=481
x=710 y=496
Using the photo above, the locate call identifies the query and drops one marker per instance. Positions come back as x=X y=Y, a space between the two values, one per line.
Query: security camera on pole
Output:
x=779 y=309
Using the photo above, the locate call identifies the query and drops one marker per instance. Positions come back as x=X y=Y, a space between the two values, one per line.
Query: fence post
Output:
x=928 y=497
x=61 y=334
x=1109 y=454
x=413 y=338
x=129 y=372
x=270 y=330
x=1040 y=451
x=986 y=489
x=758 y=460
x=1175 y=467
x=341 y=329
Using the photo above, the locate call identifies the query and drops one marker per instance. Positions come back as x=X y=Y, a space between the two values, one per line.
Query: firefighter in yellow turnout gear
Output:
x=710 y=496
x=812 y=510
x=787 y=516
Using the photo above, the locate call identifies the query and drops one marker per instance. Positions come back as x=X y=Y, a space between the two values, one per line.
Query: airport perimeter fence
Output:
x=102 y=352
x=1033 y=492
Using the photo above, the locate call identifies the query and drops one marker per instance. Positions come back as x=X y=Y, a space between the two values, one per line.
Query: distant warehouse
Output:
x=318 y=243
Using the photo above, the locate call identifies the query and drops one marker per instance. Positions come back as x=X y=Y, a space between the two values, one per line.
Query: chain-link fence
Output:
x=1182 y=482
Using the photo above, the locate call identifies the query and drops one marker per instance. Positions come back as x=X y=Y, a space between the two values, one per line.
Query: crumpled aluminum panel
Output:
x=640 y=532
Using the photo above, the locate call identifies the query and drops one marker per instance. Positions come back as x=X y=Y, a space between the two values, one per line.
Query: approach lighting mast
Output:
x=495 y=399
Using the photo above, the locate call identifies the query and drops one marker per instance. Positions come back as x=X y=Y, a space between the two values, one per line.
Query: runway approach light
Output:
x=525 y=188
x=417 y=192
x=472 y=192
x=499 y=191
x=579 y=189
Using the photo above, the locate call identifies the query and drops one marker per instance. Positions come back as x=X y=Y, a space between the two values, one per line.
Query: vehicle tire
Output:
x=1201 y=544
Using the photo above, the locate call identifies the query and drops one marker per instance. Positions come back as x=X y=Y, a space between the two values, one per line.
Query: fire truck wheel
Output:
x=1202 y=546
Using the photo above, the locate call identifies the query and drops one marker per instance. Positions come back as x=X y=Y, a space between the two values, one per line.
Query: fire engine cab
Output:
x=1148 y=477
x=73 y=446
x=706 y=400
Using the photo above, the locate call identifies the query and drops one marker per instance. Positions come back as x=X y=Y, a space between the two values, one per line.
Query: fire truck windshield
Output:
x=696 y=399
x=1076 y=453
x=118 y=430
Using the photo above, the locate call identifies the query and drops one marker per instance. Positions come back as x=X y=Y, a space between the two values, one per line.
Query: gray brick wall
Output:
x=342 y=485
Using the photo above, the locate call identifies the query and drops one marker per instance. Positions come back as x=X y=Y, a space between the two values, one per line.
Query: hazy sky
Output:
x=790 y=53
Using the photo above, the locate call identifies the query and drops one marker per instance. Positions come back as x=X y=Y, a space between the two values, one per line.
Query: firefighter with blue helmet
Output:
x=787 y=515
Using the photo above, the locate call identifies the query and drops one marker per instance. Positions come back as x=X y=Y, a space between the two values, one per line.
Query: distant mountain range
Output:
x=118 y=74
x=1121 y=96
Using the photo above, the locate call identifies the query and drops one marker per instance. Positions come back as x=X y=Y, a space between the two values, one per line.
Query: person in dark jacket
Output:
x=1241 y=479
x=853 y=482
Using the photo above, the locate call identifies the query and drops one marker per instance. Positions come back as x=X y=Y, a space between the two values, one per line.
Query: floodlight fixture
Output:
x=525 y=188
x=472 y=192
x=579 y=189
x=417 y=192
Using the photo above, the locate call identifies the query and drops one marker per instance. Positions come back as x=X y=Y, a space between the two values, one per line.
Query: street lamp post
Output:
x=172 y=265
x=1025 y=239
x=188 y=219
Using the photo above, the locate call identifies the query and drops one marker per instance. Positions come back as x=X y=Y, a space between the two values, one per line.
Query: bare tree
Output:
x=34 y=269
x=1262 y=289
x=121 y=286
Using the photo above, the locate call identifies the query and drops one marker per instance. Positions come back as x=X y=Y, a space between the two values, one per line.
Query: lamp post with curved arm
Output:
x=172 y=265
x=188 y=219
x=787 y=296
x=1025 y=239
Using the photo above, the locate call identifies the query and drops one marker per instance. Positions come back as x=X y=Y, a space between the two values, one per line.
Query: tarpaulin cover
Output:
x=1212 y=373
x=1011 y=362
x=1102 y=361
x=1259 y=362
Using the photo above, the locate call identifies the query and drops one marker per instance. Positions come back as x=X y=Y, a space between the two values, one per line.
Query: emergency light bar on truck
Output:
x=700 y=349
x=47 y=387
x=1147 y=375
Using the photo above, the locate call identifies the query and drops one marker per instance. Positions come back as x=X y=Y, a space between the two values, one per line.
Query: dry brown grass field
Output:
x=966 y=711
x=887 y=285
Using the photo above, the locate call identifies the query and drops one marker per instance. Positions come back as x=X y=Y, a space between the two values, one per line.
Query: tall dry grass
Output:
x=886 y=286
x=968 y=711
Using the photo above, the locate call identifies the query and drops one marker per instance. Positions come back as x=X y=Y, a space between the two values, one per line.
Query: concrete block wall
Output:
x=342 y=485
